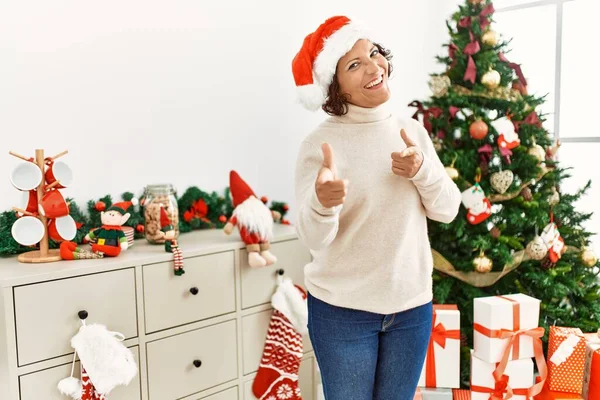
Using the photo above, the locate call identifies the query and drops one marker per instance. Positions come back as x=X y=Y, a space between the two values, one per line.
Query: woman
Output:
x=365 y=184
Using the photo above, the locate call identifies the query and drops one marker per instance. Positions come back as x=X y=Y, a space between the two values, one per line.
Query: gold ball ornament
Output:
x=482 y=264
x=439 y=85
x=536 y=249
x=452 y=172
x=588 y=257
x=491 y=79
x=554 y=198
x=538 y=152
x=490 y=38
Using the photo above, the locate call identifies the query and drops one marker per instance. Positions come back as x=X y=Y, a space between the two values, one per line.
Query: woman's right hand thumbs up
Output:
x=331 y=191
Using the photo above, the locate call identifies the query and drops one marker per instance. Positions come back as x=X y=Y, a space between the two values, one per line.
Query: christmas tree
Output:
x=516 y=232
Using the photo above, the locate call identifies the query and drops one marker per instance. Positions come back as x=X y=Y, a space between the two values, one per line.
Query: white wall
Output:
x=180 y=91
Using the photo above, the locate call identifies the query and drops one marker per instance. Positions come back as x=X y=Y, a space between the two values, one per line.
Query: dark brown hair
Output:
x=337 y=103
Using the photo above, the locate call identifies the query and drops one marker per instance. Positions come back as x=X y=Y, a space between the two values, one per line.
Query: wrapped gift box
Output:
x=435 y=393
x=442 y=363
x=493 y=315
x=566 y=359
x=461 y=394
x=591 y=374
x=547 y=394
x=518 y=375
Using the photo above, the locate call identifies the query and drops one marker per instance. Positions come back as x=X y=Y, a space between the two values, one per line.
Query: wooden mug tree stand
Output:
x=44 y=254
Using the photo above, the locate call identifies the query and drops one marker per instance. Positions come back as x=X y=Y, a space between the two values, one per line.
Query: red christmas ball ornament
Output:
x=100 y=206
x=222 y=219
x=478 y=130
x=286 y=207
x=140 y=228
x=264 y=199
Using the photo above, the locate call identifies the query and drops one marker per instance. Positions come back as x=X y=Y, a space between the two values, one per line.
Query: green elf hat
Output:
x=122 y=206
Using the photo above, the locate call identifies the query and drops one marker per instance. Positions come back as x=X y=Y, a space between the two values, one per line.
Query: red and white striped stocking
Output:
x=88 y=391
x=277 y=376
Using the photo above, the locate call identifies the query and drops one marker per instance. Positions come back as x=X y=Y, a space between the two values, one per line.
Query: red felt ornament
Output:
x=100 y=206
x=478 y=130
x=140 y=228
x=222 y=219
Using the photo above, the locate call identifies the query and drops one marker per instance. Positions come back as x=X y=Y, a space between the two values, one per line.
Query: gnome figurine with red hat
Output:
x=254 y=221
x=110 y=239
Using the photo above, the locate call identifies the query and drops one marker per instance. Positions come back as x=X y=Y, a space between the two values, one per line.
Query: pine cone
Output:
x=526 y=193
x=547 y=264
x=495 y=232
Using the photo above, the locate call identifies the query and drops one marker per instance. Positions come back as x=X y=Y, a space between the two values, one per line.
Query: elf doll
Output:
x=171 y=246
x=254 y=221
x=110 y=239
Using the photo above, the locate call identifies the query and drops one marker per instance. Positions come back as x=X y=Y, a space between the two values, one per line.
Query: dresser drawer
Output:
x=254 y=333
x=305 y=381
x=258 y=284
x=42 y=385
x=229 y=394
x=169 y=299
x=46 y=313
x=171 y=370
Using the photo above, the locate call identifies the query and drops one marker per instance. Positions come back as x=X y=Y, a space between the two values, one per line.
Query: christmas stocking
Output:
x=277 y=377
x=508 y=137
x=554 y=242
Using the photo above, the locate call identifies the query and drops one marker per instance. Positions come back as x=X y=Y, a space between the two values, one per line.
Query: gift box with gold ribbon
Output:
x=442 y=363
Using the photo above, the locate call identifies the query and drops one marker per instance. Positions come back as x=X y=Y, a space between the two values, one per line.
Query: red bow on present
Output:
x=439 y=335
x=434 y=112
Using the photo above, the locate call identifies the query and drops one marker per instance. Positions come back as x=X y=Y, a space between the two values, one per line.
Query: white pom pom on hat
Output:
x=315 y=64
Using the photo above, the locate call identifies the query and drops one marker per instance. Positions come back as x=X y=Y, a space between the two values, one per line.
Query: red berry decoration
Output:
x=286 y=207
x=222 y=219
x=100 y=206
x=264 y=199
x=140 y=228
x=478 y=130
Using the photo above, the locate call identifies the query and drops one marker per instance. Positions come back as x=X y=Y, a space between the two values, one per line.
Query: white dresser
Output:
x=196 y=336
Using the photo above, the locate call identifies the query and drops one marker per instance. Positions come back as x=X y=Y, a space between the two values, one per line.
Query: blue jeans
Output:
x=368 y=356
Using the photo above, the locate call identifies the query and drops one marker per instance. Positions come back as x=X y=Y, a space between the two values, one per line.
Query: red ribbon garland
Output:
x=434 y=112
x=514 y=337
x=439 y=335
x=473 y=47
x=514 y=66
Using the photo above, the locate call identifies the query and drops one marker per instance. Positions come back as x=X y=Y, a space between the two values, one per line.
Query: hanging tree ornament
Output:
x=554 y=242
x=537 y=151
x=482 y=264
x=439 y=85
x=537 y=248
x=507 y=135
x=502 y=180
x=495 y=232
x=526 y=193
x=491 y=79
x=478 y=205
x=478 y=129
x=451 y=171
x=588 y=257
x=490 y=38
x=554 y=198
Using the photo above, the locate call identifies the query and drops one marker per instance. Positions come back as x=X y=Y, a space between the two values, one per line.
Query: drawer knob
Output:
x=197 y=363
x=280 y=271
x=82 y=314
x=194 y=291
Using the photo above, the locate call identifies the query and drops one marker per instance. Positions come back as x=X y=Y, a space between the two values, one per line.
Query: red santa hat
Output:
x=316 y=62
x=240 y=191
x=123 y=206
x=165 y=222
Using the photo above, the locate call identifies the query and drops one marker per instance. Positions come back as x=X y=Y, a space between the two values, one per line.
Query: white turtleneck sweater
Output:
x=372 y=253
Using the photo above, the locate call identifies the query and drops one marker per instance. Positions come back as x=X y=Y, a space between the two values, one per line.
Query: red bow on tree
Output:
x=434 y=112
